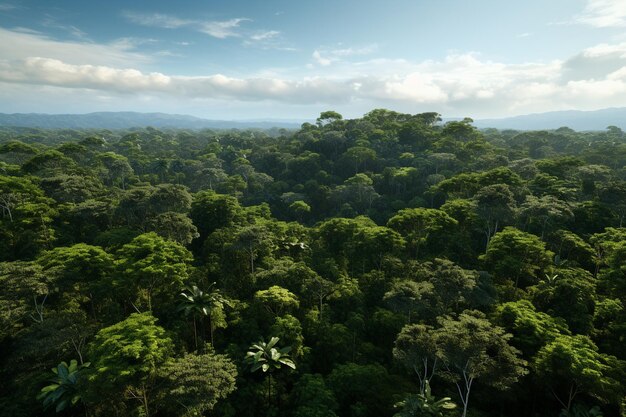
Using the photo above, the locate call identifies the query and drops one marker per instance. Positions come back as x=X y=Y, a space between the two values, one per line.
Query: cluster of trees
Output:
x=387 y=265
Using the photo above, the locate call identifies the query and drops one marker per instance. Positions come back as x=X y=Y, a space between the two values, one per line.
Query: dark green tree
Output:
x=471 y=348
x=268 y=358
x=210 y=304
x=63 y=391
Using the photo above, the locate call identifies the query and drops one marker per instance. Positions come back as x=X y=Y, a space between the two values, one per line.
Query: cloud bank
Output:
x=459 y=84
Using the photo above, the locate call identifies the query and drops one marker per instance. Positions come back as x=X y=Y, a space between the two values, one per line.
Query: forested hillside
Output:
x=355 y=268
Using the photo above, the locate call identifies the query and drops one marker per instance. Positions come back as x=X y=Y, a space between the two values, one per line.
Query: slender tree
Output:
x=210 y=304
x=269 y=359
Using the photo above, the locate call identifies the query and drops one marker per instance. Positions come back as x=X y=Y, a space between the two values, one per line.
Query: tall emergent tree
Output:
x=126 y=358
x=471 y=348
x=151 y=267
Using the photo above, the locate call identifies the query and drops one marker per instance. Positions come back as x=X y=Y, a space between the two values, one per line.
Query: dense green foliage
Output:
x=379 y=257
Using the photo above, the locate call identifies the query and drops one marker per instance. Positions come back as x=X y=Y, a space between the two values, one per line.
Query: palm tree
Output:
x=63 y=390
x=268 y=358
x=204 y=304
x=424 y=404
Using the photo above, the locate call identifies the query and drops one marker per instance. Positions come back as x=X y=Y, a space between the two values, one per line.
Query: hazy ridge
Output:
x=125 y=120
x=577 y=120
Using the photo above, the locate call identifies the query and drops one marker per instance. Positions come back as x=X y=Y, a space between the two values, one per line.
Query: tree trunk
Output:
x=543 y=228
x=145 y=401
x=465 y=396
x=321 y=306
x=195 y=332
x=211 y=328
x=7 y=207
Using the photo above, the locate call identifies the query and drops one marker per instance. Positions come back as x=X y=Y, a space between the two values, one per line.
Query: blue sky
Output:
x=293 y=59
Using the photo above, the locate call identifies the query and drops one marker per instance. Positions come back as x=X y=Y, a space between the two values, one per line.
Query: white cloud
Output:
x=217 y=29
x=267 y=39
x=129 y=43
x=223 y=29
x=56 y=73
x=595 y=62
x=22 y=29
x=265 y=36
x=352 y=51
x=19 y=44
x=603 y=13
x=327 y=56
x=458 y=84
x=317 y=56
x=157 y=20
x=51 y=22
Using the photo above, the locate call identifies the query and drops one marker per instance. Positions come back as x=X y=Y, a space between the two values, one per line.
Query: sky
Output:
x=243 y=60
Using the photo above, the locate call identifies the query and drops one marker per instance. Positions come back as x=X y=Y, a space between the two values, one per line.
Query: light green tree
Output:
x=126 y=357
x=531 y=329
x=150 y=266
x=570 y=366
x=193 y=384
x=277 y=300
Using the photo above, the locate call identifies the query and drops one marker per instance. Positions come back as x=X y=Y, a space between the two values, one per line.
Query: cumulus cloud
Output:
x=53 y=72
x=317 y=56
x=604 y=13
x=460 y=83
x=595 y=62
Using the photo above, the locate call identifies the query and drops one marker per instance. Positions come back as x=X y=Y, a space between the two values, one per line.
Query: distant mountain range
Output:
x=125 y=120
x=577 y=120
x=574 y=119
